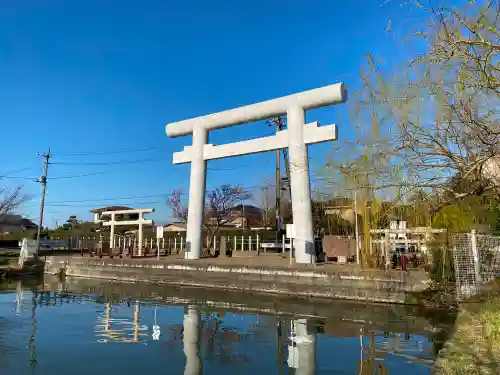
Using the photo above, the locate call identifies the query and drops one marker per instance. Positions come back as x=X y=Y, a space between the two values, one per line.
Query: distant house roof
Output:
x=10 y=219
x=249 y=209
x=110 y=208
x=27 y=223
x=177 y=224
x=17 y=220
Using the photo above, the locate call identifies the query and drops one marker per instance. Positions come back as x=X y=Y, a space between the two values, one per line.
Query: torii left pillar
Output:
x=197 y=185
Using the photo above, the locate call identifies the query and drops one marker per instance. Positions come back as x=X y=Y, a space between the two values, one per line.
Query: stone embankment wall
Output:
x=302 y=281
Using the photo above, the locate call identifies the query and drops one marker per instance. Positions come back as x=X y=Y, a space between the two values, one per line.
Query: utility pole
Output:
x=278 y=122
x=43 y=181
x=264 y=191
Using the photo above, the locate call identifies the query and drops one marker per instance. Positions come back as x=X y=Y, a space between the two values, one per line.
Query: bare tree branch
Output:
x=10 y=200
x=219 y=207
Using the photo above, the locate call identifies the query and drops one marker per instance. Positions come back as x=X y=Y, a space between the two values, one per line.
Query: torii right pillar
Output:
x=303 y=242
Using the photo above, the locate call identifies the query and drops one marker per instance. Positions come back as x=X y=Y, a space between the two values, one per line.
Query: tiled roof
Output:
x=110 y=208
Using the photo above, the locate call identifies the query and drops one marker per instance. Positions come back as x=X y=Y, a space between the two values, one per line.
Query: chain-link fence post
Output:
x=475 y=257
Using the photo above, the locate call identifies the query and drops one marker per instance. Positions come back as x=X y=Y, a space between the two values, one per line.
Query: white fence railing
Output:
x=173 y=243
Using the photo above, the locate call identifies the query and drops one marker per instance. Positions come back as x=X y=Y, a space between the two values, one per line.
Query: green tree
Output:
x=453 y=218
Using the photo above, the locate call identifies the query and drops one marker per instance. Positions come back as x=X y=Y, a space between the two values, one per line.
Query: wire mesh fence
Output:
x=476 y=259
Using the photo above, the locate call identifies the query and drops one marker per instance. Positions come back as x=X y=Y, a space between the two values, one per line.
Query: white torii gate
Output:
x=296 y=138
x=140 y=222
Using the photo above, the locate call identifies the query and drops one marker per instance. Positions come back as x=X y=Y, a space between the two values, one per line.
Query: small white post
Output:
x=283 y=243
x=163 y=242
x=475 y=256
x=291 y=250
x=151 y=243
x=141 y=220
x=385 y=253
x=158 y=248
x=242 y=243
x=235 y=244
x=182 y=240
x=112 y=234
x=258 y=243
x=175 y=244
x=215 y=243
x=406 y=242
x=249 y=243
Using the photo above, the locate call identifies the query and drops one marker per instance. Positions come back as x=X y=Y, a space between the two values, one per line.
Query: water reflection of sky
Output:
x=66 y=338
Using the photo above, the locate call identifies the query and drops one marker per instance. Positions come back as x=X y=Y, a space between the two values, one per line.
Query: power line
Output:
x=97 y=200
x=109 y=152
x=16 y=171
x=54 y=178
x=77 y=176
x=90 y=204
x=119 y=162
x=17 y=177
x=100 y=200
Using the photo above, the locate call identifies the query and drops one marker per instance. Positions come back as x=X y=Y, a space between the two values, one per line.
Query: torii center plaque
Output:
x=296 y=137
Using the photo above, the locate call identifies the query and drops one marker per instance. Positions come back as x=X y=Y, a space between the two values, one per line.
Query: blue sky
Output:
x=91 y=79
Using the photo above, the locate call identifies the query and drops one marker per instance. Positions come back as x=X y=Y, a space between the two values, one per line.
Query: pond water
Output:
x=89 y=327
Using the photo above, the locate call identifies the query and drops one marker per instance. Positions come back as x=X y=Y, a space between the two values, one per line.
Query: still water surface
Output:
x=77 y=328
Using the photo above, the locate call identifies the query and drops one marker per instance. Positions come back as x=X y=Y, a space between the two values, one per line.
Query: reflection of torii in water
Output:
x=107 y=333
x=191 y=341
x=302 y=351
x=372 y=364
x=196 y=332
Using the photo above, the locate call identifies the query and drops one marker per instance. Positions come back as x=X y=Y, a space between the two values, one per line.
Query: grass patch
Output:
x=5 y=261
x=9 y=254
x=475 y=346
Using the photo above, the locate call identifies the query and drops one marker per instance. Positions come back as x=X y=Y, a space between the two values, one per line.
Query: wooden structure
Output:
x=412 y=241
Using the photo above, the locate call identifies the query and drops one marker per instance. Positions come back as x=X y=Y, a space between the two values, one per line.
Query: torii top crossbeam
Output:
x=321 y=97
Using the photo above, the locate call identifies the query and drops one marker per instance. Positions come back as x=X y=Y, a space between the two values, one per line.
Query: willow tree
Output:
x=428 y=128
x=442 y=105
